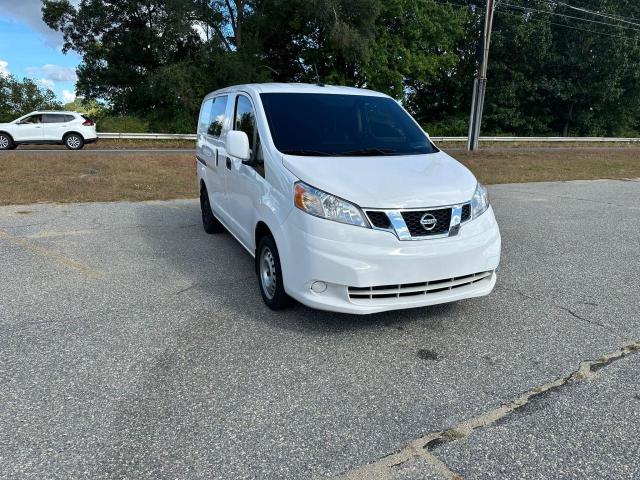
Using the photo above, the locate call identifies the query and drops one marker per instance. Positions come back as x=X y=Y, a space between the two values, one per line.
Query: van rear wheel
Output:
x=209 y=222
x=270 y=275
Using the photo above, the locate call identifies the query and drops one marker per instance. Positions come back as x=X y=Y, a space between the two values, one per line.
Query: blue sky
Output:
x=28 y=48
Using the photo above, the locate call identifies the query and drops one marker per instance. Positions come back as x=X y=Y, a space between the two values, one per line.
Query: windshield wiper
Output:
x=366 y=152
x=307 y=153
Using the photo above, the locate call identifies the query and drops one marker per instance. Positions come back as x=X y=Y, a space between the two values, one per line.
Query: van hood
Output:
x=411 y=181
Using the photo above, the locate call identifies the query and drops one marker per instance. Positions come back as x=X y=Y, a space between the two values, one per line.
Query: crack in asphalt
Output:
x=608 y=328
x=423 y=447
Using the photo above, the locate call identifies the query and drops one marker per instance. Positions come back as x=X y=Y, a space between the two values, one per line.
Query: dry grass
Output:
x=520 y=165
x=94 y=176
x=119 y=144
x=99 y=177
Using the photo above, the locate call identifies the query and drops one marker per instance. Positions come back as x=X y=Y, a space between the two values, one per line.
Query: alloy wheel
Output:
x=73 y=141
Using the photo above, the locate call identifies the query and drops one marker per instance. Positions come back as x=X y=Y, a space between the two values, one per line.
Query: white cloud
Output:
x=29 y=12
x=68 y=96
x=4 y=71
x=45 y=82
x=54 y=73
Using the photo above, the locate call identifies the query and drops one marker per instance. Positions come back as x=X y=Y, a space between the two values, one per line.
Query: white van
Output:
x=342 y=199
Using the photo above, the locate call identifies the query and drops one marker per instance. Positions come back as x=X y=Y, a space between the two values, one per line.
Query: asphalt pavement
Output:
x=133 y=345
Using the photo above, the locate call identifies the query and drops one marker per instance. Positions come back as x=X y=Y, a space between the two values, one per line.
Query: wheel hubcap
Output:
x=268 y=272
x=73 y=142
x=4 y=142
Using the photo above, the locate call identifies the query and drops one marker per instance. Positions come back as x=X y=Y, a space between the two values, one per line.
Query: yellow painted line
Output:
x=51 y=255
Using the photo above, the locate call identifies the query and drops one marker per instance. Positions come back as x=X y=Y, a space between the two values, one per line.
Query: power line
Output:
x=562 y=25
x=568 y=16
x=619 y=18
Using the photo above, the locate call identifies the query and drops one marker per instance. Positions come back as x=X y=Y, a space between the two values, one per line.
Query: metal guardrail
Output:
x=148 y=136
x=192 y=136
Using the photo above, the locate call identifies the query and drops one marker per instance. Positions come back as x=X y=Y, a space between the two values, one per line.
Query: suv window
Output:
x=32 y=119
x=216 y=120
x=56 y=118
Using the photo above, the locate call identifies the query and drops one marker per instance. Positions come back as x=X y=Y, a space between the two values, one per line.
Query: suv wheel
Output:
x=5 y=142
x=270 y=275
x=73 y=141
x=209 y=221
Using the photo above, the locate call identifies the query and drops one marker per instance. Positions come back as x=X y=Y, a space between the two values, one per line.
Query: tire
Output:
x=13 y=147
x=270 y=275
x=6 y=142
x=209 y=222
x=73 y=141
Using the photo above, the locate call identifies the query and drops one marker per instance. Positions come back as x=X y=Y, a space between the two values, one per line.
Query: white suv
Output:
x=71 y=129
x=342 y=199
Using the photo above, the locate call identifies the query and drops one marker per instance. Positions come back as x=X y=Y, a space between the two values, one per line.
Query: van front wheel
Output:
x=270 y=275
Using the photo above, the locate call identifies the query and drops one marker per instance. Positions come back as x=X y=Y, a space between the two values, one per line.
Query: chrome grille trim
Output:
x=415 y=289
x=399 y=227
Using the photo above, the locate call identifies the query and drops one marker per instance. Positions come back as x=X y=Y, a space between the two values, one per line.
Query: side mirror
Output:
x=238 y=145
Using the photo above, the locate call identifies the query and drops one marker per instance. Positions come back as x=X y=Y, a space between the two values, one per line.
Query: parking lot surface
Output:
x=133 y=345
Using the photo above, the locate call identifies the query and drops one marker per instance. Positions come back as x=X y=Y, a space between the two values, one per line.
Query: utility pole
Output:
x=480 y=82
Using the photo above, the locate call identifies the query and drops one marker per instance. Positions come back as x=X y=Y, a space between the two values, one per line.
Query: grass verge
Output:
x=520 y=165
x=94 y=176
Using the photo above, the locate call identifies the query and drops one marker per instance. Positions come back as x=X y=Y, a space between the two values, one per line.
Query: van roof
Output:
x=297 y=88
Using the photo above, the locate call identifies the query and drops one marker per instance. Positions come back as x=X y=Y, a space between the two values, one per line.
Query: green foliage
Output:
x=92 y=108
x=19 y=97
x=122 y=124
x=548 y=75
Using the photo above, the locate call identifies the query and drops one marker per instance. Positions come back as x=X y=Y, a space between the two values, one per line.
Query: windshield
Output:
x=319 y=124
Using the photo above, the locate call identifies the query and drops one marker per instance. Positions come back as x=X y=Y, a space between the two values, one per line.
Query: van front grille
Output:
x=416 y=289
x=466 y=213
x=379 y=219
x=413 y=218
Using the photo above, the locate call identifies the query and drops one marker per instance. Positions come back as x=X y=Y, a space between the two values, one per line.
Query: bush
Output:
x=122 y=124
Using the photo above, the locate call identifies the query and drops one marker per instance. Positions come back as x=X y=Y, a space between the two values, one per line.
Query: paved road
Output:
x=132 y=345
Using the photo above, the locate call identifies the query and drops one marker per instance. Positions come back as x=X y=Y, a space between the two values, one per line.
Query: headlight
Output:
x=480 y=201
x=324 y=205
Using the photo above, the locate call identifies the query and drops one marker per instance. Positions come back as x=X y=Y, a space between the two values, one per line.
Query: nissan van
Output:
x=342 y=199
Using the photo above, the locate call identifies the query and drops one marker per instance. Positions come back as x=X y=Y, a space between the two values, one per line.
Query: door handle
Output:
x=228 y=163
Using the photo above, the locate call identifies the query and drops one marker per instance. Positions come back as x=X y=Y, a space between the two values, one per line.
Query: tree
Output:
x=19 y=97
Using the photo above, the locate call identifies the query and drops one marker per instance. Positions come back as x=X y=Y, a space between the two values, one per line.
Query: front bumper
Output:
x=344 y=256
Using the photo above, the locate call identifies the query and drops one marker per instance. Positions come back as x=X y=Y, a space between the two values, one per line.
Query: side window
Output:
x=69 y=118
x=33 y=119
x=205 y=115
x=216 y=120
x=54 y=118
x=245 y=121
